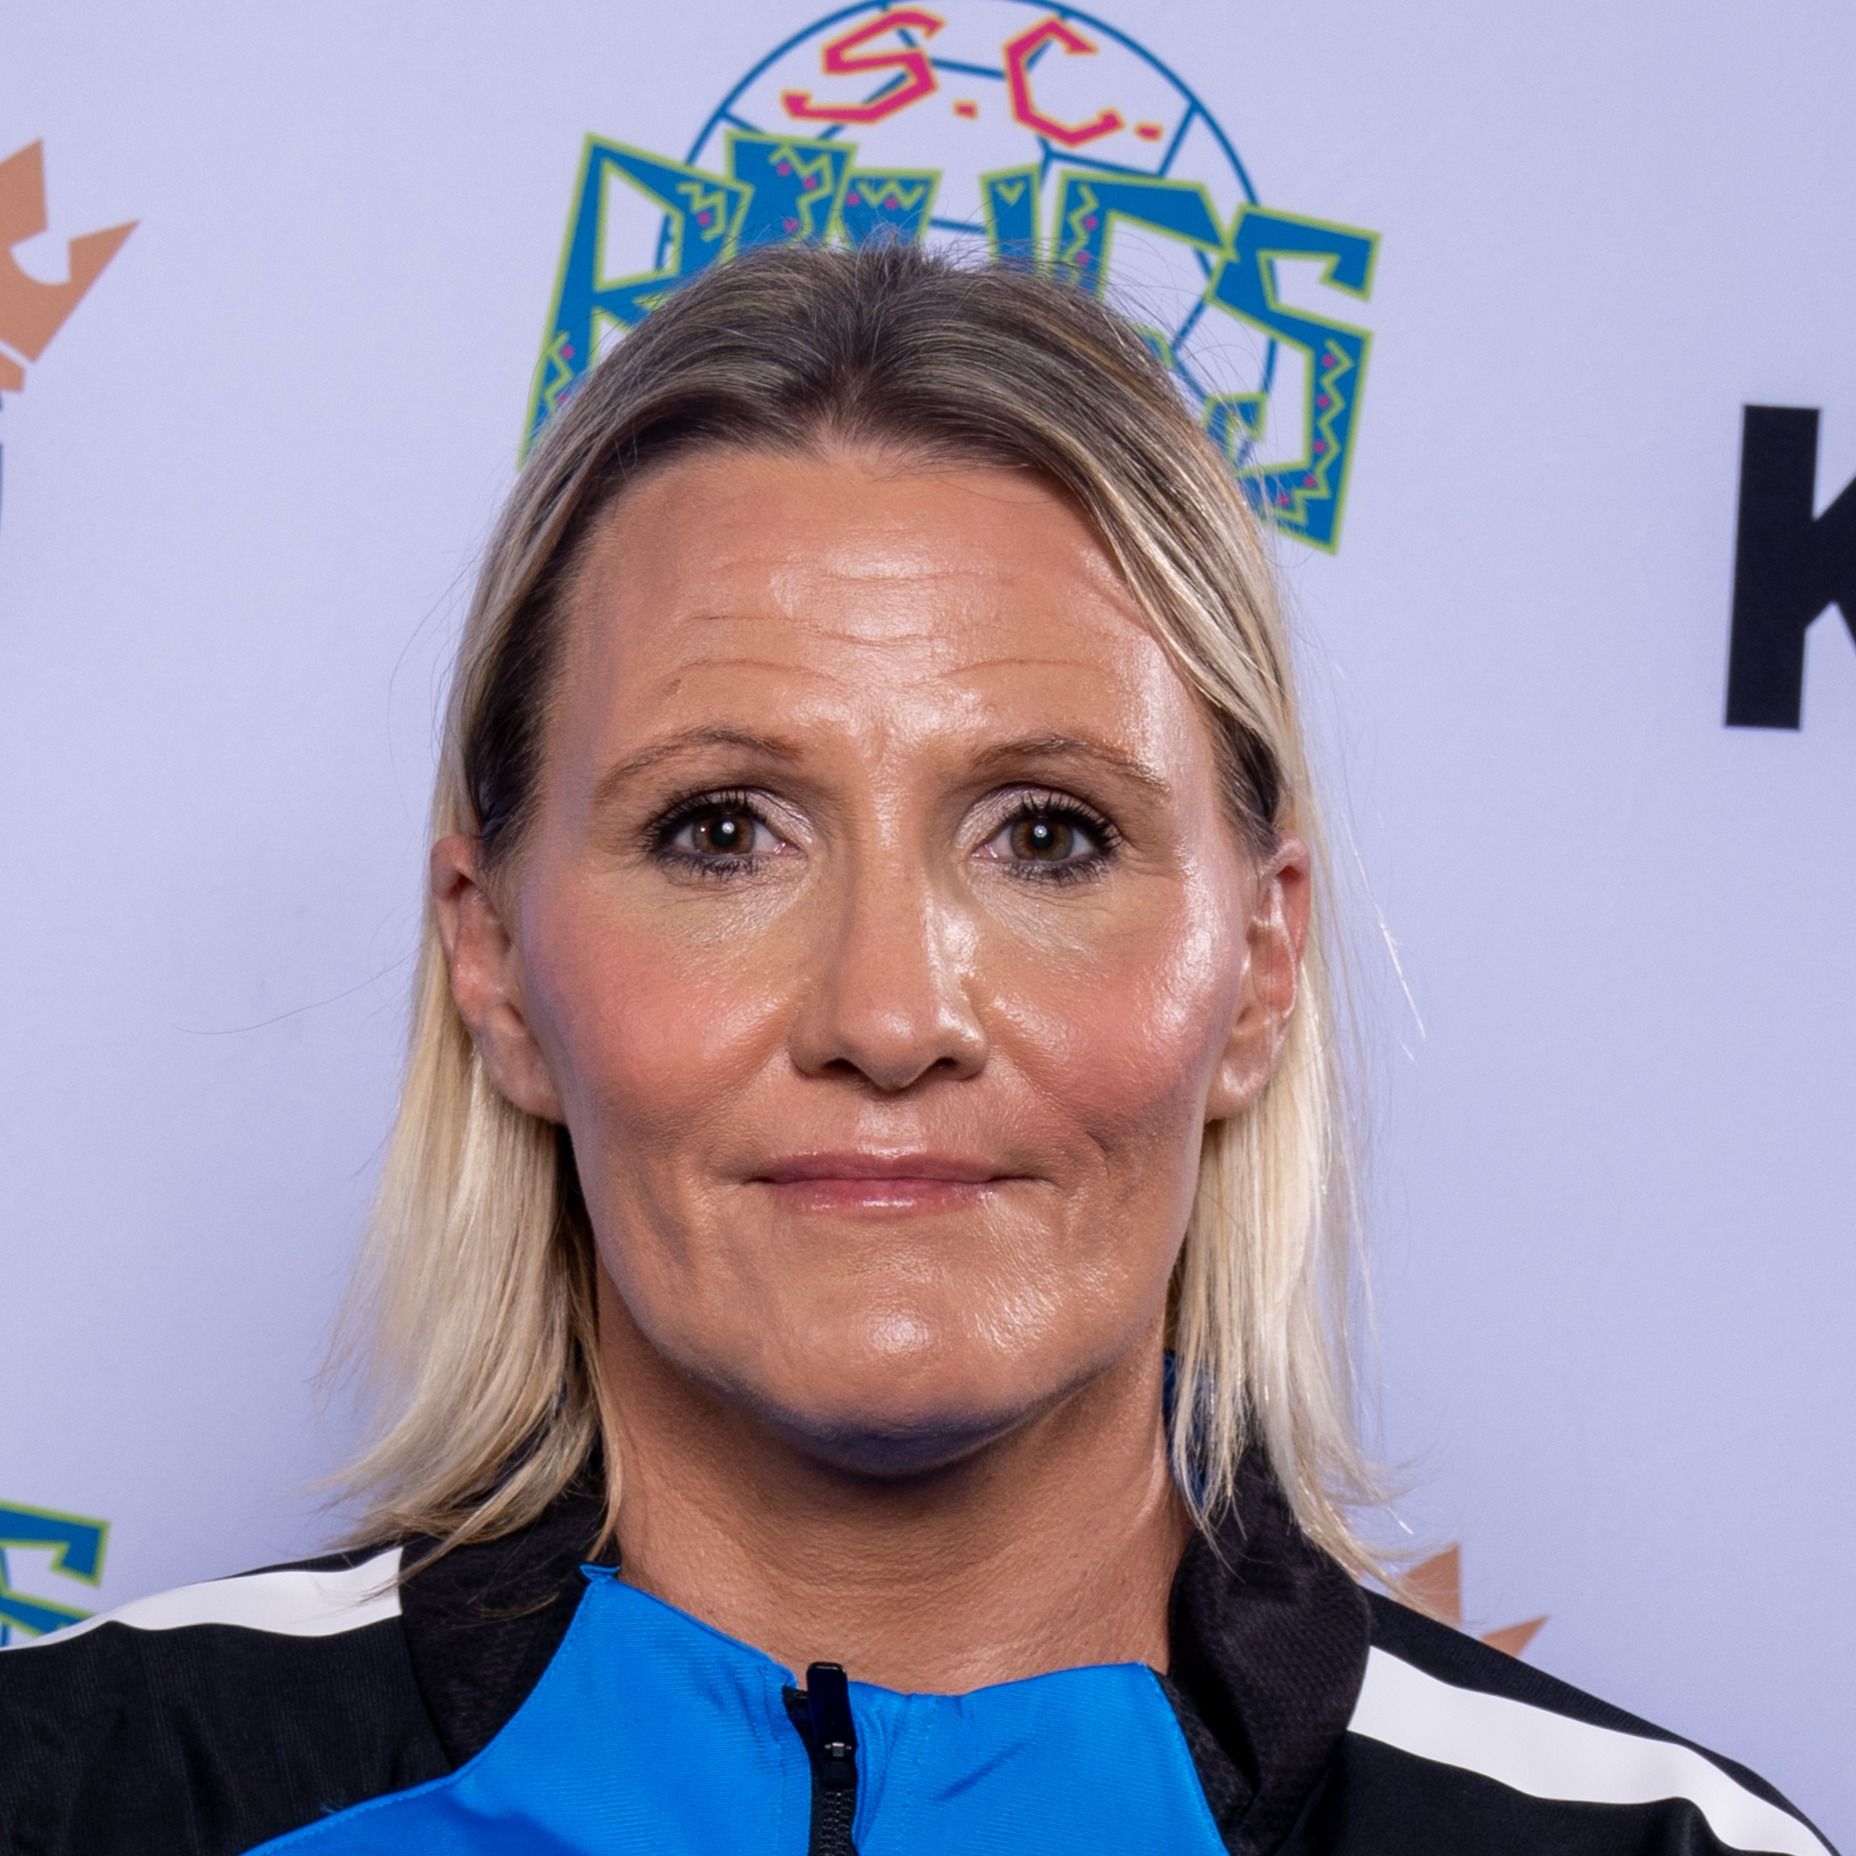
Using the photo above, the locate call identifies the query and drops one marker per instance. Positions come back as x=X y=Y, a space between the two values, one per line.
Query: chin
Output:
x=907 y=1398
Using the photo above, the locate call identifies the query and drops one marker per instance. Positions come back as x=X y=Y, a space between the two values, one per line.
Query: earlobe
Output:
x=485 y=969
x=1274 y=939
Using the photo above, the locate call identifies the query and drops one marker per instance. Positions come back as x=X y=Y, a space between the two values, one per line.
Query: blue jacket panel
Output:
x=651 y=1731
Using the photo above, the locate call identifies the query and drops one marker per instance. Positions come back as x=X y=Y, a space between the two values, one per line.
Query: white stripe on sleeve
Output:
x=1549 y=1755
x=293 y=1603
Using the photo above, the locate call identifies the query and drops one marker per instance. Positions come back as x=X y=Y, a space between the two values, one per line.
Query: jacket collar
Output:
x=1268 y=1645
x=483 y=1621
x=1268 y=1650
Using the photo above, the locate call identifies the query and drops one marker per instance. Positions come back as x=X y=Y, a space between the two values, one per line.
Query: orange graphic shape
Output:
x=966 y=107
x=1438 y=1584
x=31 y=312
x=1149 y=131
x=1513 y=1638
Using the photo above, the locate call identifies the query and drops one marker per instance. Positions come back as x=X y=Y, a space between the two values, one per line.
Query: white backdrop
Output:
x=243 y=488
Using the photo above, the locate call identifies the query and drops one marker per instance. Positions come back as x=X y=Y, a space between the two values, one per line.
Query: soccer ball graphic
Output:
x=968 y=88
x=1035 y=133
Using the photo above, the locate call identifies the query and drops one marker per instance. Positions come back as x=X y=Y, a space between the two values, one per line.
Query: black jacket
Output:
x=513 y=1698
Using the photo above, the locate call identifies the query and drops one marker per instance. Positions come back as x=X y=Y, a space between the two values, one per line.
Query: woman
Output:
x=857 y=1272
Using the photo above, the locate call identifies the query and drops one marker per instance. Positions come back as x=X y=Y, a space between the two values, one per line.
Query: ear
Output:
x=1277 y=929
x=486 y=978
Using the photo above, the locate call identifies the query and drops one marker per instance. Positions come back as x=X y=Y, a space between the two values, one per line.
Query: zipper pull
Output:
x=834 y=1733
x=833 y=1745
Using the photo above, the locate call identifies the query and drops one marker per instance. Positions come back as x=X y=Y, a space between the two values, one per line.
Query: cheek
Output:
x=1125 y=1031
x=640 y=1030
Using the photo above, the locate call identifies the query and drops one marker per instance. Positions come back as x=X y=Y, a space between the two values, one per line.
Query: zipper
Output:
x=821 y=1712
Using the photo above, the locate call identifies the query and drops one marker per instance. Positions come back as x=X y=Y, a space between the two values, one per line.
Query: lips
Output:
x=882 y=1184
x=957 y=1168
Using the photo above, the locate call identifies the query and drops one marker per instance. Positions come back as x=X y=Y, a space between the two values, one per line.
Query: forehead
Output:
x=915 y=597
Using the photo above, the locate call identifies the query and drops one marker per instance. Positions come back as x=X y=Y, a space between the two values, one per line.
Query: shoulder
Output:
x=214 y=1716
x=1486 y=1751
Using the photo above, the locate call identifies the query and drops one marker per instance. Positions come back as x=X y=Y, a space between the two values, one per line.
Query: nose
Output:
x=889 y=993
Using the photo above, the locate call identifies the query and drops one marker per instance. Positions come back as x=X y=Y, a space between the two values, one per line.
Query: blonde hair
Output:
x=475 y=1299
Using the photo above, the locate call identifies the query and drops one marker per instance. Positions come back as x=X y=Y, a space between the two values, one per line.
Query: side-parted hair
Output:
x=474 y=1303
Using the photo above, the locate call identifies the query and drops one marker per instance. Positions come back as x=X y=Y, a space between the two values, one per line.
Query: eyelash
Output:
x=1045 y=805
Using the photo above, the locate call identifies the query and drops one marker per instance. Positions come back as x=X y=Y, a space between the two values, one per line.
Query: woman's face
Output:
x=875 y=825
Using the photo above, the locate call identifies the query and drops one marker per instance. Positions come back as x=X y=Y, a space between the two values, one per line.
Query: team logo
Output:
x=75 y=1543
x=1053 y=138
x=32 y=310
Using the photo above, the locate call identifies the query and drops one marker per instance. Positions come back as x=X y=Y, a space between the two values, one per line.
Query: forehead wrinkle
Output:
x=880 y=558
x=797 y=617
x=699 y=653
x=1095 y=666
x=674 y=681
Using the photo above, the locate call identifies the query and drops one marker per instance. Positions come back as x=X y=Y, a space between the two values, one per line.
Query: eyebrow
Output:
x=708 y=734
x=1045 y=747
x=1075 y=747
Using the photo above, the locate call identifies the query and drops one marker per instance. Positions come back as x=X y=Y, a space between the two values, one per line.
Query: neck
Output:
x=1052 y=1547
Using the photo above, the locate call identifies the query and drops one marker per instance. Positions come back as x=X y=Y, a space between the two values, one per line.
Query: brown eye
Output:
x=1041 y=837
x=1056 y=841
x=709 y=834
x=728 y=833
